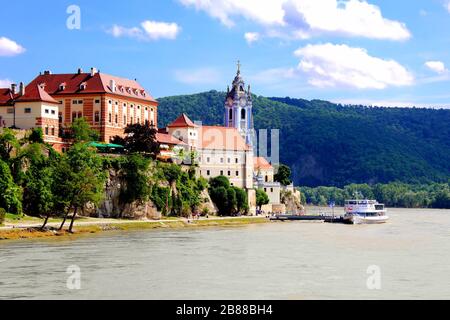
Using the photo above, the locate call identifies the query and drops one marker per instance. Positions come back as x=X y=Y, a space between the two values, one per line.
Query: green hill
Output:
x=335 y=145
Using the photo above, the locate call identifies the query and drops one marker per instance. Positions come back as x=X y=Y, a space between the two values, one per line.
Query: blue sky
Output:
x=370 y=52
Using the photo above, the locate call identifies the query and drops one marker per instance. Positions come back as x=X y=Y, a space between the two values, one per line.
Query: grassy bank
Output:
x=87 y=226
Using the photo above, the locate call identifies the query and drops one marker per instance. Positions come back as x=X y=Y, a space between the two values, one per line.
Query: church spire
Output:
x=238 y=67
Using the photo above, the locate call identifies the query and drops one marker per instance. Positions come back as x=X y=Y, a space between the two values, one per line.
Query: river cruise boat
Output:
x=365 y=212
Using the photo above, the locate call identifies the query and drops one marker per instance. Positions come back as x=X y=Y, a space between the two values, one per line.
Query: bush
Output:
x=2 y=216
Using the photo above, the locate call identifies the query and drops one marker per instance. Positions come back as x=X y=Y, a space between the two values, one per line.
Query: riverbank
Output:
x=28 y=229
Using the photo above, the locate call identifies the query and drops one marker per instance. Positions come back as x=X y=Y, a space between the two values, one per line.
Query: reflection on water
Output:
x=271 y=261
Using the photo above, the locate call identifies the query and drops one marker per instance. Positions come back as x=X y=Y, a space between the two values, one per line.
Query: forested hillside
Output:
x=334 y=145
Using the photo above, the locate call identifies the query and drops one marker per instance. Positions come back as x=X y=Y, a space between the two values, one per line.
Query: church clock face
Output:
x=243 y=101
x=230 y=102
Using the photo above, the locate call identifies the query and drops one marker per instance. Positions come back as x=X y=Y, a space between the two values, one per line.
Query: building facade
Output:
x=31 y=107
x=108 y=103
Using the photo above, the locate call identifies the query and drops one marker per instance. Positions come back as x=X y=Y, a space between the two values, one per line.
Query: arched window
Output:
x=243 y=114
x=231 y=114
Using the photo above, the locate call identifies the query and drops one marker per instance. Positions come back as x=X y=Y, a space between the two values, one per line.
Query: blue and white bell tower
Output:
x=239 y=109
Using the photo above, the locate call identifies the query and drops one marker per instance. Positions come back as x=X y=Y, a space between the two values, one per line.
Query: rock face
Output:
x=208 y=204
x=111 y=206
x=291 y=198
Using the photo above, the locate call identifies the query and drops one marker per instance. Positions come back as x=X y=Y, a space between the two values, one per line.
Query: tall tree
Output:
x=139 y=139
x=79 y=179
x=283 y=175
x=11 y=194
x=261 y=198
x=82 y=132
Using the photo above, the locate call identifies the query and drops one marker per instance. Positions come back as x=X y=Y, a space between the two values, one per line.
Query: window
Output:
x=237 y=173
x=231 y=114
x=110 y=117
x=97 y=116
x=229 y=160
x=271 y=189
x=46 y=131
x=221 y=172
x=131 y=120
x=229 y=173
x=27 y=110
x=237 y=160
x=80 y=114
x=117 y=118
x=53 y=131
x=47 y=111
x=10 y=110
x=124 y=120
x=243 y=114
x=208 y=160
x=74 y=116
x=97 y=101
x=53 y=112
x=80 y=101
x=75 y=102
x=60 y=117
x=208 y=173
x=221 y=160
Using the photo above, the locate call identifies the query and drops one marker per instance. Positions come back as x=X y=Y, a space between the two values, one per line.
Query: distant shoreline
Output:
x=18 y=231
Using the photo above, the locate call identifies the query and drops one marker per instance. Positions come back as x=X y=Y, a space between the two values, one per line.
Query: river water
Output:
x=408 y=258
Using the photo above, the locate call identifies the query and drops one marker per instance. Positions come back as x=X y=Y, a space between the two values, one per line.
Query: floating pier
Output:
x=323 y=218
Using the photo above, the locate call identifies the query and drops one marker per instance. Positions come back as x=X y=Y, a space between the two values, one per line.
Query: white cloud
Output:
x=436 y=66
x=252 y=37
x=447 y=6
x=9 y=48
x=304 y=18
x=161 y=30
x=149 y=30
x=200 y=76
x=264 y=12
x=329 y=65
x=5 y=83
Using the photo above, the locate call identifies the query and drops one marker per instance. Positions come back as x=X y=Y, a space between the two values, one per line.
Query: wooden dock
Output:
x=323 y=218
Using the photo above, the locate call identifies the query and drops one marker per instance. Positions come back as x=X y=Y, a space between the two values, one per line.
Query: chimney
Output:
x=80 y=71
x=93 y=72
x=21 y=89
x=112 y=85
x=47 y=72
x=13 y=88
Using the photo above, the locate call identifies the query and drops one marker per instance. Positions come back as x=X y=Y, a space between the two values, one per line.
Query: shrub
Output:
x=2 y=216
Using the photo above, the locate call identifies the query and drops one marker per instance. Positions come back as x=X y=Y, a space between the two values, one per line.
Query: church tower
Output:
x=238 y=108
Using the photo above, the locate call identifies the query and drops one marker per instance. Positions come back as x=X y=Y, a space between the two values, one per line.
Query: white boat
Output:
x=365 y=212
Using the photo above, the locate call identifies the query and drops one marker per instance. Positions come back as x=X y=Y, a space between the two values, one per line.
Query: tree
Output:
x=137 y=187
x=228 y=199
x=283 y=175
x=241 y=200
x=38 y=199
x=261 y=198
x=79 y=179
x=11 y=194
x=36 y=136
x=8 y=143
x=82 y=132
x=139 y=139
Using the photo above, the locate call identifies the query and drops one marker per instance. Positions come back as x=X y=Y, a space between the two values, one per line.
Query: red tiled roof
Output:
x=164 y=138
x=6 y=97
x=182 y=121
x=261 y=163
x=35 y=93
x=221 y=138
x=99 y=83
